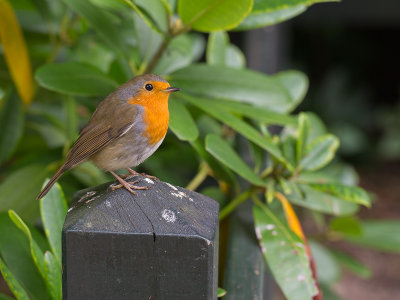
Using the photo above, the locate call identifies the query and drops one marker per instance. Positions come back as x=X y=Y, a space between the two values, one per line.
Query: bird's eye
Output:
x=148 y=87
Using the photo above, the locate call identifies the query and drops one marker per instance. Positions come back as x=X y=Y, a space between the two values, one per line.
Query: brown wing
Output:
x=112 y=119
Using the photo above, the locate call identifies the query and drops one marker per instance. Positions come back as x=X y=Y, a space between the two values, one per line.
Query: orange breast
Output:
x=155 y=115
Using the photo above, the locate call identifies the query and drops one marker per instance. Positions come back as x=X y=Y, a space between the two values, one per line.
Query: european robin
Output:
x=125 y=129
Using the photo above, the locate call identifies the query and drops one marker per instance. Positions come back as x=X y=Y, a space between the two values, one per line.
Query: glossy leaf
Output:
x=16 y=287
x=262 y=19
x=11 y=124
x=306 y=196
x=217 y=47
x=345 y=192
x=237 y=124
x=242 y=85
x=379 y=234
x=319 y=152
x=22 y=197
x=263 y=115
x=74 y=78
x=36 y=252
x=53 y=209
x=15 y=252
x=221 y=150
x=152 y=12
x=53 y=276
x=181 y=122
x=272 y=5
x=289 y=152
x=304 y=128
x=234 y=57
x=15 y=52
x=285 y=254
x=101 y=23
x=295 y=83
x=212 y=15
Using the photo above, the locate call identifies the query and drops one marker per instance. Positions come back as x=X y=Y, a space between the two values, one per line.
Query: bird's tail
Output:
x=52 y=181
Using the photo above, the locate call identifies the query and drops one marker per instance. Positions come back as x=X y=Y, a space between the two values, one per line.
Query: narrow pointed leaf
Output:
x=15 y=52
x=15 y=286
x=242 y=127
x=53 y=276
x=285 y=254
x=319 y=152
x=221 y=292
x=212 y=15
x=73 y=78
x=36 y=252
x=304 y=128
x=181 y=122
x=306 y=196
x=53 y=209
x=221 y=150
x=345 y=192
x=352 y=264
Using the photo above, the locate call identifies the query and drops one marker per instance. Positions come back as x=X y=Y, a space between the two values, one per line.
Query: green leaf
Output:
x=53 y=276
x=242 y=127
x=285 y=254
x=216 y=48
x=101 y=23
x=221 y=292
x=16 y=287
x=379 y=234
x=53 y=209
x=317 y=127
x=15 y=252
x=36 y=252
x=152 y=12
x=71 y=119
x=262 y=19
x=221 y=150
x=319 y=152
x=75 y=78
x=352 y=264
x=304 y=128
x=346 y=225
x=258 y=113
x=345 y=192
x=295 y=83
x=5 y=297
x=179 y=54
x=289 y=152
x=212 y=15
x=306 y=196
x=181 y=122
x=272 y=5
x=328 y=270
x=11 y=124
x=19 y=190
x=234 y=57
x=242 y=85
x=169 y=6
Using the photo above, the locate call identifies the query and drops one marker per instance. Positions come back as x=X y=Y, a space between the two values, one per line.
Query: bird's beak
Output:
x=171 y=89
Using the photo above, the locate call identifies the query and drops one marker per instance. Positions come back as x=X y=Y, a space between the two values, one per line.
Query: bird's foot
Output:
x=130 y=186
x=133 y=172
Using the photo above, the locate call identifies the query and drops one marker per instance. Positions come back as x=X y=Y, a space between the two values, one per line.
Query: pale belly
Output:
x=128 y=151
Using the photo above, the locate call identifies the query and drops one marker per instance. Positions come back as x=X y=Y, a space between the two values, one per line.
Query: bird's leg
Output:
x=133 y=172
x=128 y=185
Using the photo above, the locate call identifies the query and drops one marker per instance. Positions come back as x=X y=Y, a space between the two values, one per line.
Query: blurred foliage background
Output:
x=236 y=135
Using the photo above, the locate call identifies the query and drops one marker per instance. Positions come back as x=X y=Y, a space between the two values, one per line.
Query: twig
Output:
x=199 y=178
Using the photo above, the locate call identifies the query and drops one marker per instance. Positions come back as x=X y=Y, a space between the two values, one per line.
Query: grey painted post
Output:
x=160 y=244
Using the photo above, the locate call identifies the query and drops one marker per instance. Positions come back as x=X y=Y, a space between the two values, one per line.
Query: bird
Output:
x=124 y=130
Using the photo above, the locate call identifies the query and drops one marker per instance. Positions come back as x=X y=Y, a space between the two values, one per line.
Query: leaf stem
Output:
x=235 y=203
x=199 y=178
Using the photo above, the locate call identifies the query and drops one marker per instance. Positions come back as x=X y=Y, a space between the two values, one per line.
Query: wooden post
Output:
x=160 y=244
